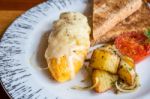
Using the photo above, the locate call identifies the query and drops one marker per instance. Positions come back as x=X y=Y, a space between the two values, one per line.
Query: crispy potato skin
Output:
x=59 y=67
x=126 y=72
x=105 y=80
x=104 y=60
x=128 y=61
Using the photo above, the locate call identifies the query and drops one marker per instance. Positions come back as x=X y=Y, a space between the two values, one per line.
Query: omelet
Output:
x=68 y=45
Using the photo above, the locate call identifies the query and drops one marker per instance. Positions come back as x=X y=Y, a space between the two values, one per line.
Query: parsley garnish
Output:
x=147 y=33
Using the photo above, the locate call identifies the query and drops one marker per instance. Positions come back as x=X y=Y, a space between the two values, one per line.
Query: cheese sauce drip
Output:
x=69 y=34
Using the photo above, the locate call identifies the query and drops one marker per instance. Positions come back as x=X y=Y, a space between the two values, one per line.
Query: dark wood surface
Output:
x=9 y=10
x=3 y=95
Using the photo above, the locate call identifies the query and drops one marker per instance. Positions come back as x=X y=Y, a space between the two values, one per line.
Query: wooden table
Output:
x=9 y=10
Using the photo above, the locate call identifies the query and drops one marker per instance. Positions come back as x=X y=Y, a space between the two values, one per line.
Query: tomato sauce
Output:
x=133 y=45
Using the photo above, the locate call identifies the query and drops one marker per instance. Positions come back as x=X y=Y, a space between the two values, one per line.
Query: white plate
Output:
x=22 y=52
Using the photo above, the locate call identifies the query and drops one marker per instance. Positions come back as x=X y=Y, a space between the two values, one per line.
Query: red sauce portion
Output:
x=133 y=45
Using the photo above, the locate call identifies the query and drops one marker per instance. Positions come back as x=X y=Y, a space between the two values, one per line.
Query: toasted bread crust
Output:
x=136 y=22
x=108 y=13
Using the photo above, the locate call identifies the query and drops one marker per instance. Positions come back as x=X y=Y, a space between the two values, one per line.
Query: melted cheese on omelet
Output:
x=69 y=34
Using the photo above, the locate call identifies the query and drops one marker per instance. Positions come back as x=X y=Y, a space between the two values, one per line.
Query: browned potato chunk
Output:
x=128 y=60
x=103 y=79
x=105 y=60
x=126 y=71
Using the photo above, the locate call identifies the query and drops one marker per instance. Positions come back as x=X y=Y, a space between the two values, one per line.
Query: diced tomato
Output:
x=133 y=45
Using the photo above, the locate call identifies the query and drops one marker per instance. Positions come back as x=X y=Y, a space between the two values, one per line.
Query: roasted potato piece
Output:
x=105 y=60
x=105 y=80
x=128 y=60
x=126 y=71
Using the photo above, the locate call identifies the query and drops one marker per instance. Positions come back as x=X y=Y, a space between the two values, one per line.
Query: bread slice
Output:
x=108 y=13
x=136 y=22
x=105 y=80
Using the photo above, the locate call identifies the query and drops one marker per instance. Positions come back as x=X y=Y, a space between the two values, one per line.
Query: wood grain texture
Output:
x=9 y=11
x=6 y=19
x=18 y=4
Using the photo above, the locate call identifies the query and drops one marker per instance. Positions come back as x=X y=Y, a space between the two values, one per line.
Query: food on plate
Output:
x=120 y=86
x=124 y=79
x=147 y=1
x=126 y=71
x=105 y=59
x=138 y=21
x=68 y=45
x=111 y=70
x=134 y=45
x=108 y=13
x=147 y=33
x=104 y=80
x=112 y=66
x=128 y=61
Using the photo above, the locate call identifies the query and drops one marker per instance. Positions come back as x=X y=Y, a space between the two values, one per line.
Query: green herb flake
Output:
x=147 y=33
x=130 y=69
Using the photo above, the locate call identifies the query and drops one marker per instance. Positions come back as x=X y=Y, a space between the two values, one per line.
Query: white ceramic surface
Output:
x=22 y=55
